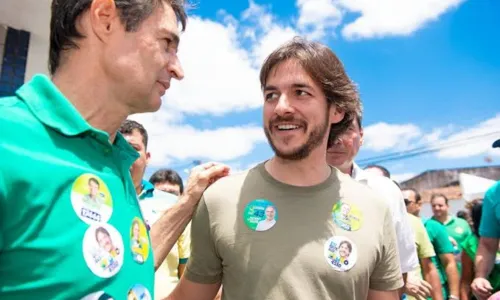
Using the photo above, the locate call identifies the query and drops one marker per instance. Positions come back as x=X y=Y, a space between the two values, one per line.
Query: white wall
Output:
x=38 y=56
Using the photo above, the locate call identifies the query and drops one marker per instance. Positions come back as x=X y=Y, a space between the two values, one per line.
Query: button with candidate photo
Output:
x=91 y=199
x=260 y=215
x=103 y=250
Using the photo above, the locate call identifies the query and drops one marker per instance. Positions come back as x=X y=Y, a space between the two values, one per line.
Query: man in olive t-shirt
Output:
x=327 y=236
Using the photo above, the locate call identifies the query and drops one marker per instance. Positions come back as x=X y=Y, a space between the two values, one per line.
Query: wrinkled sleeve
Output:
x=387 y=273
x=204 y=265
x=490 y=219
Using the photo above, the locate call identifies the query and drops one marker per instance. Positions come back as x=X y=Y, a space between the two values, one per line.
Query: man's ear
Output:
x=336 y=114
x=104 y=18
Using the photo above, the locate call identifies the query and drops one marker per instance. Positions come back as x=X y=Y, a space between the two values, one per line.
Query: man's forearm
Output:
x=432 y=277
x=485 y=257
x=166 y=231
x=453 y=278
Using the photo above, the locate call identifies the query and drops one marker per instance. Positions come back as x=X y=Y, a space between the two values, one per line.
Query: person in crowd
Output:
x=489 y=233
x=378 y=170
x=172 y=268
x=167 y=180
x=444 y=259
x=107 y=60
x=426 y=269
x=457 y=228
x=470 y=246
x=308 y=101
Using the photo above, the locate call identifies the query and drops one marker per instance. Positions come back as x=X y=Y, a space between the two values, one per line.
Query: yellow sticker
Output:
x=347 y=216
x=139 y=242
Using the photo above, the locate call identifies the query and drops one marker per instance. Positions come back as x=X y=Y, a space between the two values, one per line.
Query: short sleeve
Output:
x=204 y=265
x=184 y=245
x=442 y=244
x=387 y=273
x=424 y=245
x=490 y=219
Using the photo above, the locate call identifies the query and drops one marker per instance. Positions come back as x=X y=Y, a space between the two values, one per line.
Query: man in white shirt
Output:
x=341 y=154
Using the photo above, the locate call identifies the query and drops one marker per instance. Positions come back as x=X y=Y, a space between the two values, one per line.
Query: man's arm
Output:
x=432 y=277
x=466 y=277
x=450 y=268
x=383 y=295
x=188 y=290
x=165 y=232
x=485 y=257
x=485 y=260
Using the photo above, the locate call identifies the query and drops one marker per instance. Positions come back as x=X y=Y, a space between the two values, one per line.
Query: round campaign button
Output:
x=347 y=216
x=91 y=199
x=260 y=215
x=103 y=250
x=139 y=242
x=341 y=253
x=459 y=230
x=98 y=296
x=138 y=292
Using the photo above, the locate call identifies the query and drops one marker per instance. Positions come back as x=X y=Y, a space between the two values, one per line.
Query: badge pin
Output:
x=103 y=250
x=347 y=216
x=91 y=199
x=139 y=242
x=138 y=291
x=340 y=253
x=260 y=215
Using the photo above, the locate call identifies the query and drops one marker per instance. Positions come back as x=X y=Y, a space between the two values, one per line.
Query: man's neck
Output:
x=92 y=96
x=347 y=168
x=306 y=172
x=443 y=219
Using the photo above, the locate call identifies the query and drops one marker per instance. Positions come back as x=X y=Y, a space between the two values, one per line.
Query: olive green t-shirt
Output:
x=264 y=239
x=70 y=223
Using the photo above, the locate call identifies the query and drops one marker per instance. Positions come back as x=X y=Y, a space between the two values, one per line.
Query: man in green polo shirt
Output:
x=107 y=60
x=458 y=229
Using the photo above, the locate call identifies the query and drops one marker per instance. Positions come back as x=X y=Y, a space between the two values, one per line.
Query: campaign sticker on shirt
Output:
x=459 y=230
x=138 y=292
x=347 y=216
x=139 y=242
x=98 y=296
x=341 y=253
x=103 y=250
x=260 y=215
x=91 y=199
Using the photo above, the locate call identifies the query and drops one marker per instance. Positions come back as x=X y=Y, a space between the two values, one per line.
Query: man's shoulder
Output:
x=493 y=194
x=365 y=193
x=232 y=182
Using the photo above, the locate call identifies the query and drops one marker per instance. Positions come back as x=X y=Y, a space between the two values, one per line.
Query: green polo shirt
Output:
x=442 y=245
x=459 y=230
x=70 y=223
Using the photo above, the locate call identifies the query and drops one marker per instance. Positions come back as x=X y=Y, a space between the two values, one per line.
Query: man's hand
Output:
x=419 y=289
x=481 y=288
x=200 y=178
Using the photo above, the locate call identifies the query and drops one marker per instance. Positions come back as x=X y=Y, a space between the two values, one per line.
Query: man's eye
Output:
x=270 y=96
x=301 y=93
